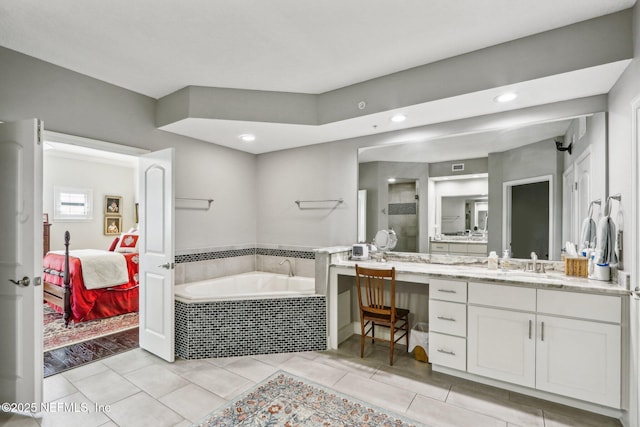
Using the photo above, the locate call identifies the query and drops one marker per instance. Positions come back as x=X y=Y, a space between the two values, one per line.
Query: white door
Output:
x=583 y=193
x=157 y=313
x=21 y=262
x=569 y=229
x=580 y=359
x=501 y=344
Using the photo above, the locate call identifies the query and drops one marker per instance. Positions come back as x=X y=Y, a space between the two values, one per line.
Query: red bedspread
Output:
x=96 y=303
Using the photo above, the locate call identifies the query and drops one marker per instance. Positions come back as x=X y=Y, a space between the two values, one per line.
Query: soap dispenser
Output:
x=492 y=261
x=506 y=260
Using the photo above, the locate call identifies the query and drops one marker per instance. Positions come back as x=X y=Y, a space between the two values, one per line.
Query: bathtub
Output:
x=252 y=285
x=249 y=314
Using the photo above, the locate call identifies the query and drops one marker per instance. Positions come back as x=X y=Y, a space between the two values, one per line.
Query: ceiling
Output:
x=312 y=47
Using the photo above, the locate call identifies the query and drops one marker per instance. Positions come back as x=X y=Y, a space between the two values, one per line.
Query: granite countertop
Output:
x=550 y=280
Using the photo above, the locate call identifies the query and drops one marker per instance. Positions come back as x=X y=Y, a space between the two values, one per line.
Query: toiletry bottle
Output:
x=492 y=261
x=506 y=260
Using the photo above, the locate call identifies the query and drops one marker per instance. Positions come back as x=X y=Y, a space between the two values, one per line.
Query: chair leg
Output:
x=407 y=335
x=393 y=342
x=362 y=326
x=373 y=332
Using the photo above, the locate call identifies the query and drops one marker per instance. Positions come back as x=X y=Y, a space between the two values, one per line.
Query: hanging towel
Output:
x=605 y=252
x=587 y=234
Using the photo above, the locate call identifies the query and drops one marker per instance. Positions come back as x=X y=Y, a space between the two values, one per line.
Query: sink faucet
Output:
x=290 y=266
x=533 y=264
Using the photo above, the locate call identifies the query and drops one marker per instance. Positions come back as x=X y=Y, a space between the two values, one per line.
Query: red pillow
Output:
x=128 y=243
x=114 y=244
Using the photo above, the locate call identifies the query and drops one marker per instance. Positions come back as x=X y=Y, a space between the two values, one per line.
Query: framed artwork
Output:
x=112 y=205
x=112 y=225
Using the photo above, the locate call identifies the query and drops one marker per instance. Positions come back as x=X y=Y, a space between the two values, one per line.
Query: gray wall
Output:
x=75 y=104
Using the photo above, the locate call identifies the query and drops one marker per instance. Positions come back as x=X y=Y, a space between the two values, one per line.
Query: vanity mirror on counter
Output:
x=514 y=187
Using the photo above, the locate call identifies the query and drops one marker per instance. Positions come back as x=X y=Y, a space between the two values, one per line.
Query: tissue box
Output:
x=578 y=266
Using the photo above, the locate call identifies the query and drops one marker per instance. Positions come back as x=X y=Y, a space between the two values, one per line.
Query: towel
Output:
x=605 y=252
x=587 y=234
x=101 y=269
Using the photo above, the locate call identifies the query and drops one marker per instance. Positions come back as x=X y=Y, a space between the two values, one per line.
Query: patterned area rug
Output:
x=286 y=400
x=56 y=335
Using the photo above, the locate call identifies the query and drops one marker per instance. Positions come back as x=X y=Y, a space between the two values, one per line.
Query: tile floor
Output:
x=143 y=390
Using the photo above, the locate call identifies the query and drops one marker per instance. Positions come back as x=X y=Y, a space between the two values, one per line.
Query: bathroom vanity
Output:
x=458 y=247
x=542 y=334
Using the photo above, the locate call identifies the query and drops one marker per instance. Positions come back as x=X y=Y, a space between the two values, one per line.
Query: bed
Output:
x=103 y=289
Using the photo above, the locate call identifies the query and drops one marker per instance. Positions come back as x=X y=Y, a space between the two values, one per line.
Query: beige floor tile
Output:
x=181 y=366
x=192 y=402
x=131 y=360
x=75 y=410
x=219 y=381
x=57 y=386
x=156 y=380
x=84 y=371
x=8 y=419
x=251 y=369
x=382 y=395
x=490 y=401
x=356 y=365
x=142 y=410
x=433 y=390
x=439 y=414
x=276 y=359
x=109 y=424
x=569 y=417
x=314 y=371
x=106 y=387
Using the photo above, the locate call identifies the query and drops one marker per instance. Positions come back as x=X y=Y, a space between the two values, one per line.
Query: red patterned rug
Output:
x=56 y=335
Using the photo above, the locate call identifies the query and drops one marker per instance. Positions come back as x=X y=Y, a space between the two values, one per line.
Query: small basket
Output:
x=578 y=267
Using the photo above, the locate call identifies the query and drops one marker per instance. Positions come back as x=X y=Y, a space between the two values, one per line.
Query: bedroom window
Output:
x=73 y=204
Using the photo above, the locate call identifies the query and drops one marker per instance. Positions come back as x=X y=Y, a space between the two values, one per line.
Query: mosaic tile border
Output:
x=231 y=253
x=250 y=327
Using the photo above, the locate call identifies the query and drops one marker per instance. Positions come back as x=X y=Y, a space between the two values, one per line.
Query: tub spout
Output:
x=290 y=266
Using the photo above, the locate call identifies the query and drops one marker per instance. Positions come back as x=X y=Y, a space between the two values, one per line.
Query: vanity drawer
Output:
x=503 y=296
x=448 y=317
x=445 y=350
x=585 y=306
x=439 y=247
x=448 y=290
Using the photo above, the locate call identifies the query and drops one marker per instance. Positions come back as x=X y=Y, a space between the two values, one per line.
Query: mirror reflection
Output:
x=518 y=189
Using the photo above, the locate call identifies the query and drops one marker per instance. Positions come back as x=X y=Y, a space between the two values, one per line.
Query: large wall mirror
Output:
x=513 y=188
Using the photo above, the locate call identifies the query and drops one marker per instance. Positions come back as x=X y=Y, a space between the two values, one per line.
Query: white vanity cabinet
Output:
x=448 y=323
x=580 y=356
x=501 y=333
x=561 y=342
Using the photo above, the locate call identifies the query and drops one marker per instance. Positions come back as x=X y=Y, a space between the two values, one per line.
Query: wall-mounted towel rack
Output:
x=607 y=209
x=318 y=204
x=193 y=203
x=594 y=202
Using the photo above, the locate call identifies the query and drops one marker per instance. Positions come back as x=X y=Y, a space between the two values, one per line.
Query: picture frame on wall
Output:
x=112 y=225
x=112 y=205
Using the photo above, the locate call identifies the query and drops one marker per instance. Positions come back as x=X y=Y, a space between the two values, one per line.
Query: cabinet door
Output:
x=580 y=359
x=501 y=345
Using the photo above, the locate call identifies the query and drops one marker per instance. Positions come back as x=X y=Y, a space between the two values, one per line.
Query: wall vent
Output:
x=457 y=167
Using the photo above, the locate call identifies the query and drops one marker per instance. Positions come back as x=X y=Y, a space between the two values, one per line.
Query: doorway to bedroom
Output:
x=92 y=194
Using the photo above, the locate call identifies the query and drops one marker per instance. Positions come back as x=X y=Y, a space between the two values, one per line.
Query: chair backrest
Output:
x=371 y=284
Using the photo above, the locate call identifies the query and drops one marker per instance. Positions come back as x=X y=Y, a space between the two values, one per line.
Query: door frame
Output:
x=506 y=209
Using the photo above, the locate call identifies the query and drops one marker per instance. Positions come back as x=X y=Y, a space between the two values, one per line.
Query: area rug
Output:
x=286 y=400
x=55 y=335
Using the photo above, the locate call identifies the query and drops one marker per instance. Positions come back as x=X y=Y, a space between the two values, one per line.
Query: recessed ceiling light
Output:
x=506 y=97
x=398 y=118
x=247 y=137
x=391 y=180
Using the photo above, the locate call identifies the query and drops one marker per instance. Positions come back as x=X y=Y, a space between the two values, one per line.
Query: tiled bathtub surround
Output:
x=250 y=327
x=200 y=264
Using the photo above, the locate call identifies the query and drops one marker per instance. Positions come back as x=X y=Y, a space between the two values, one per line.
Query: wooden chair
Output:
x=377 y=298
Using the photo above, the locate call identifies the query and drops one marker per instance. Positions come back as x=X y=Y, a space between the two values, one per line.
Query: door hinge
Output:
x=39 y=133
x=575 y=186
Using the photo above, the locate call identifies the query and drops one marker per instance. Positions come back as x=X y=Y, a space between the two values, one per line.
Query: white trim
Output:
x=93 y=143
x=635 y=199
x=506 y=209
